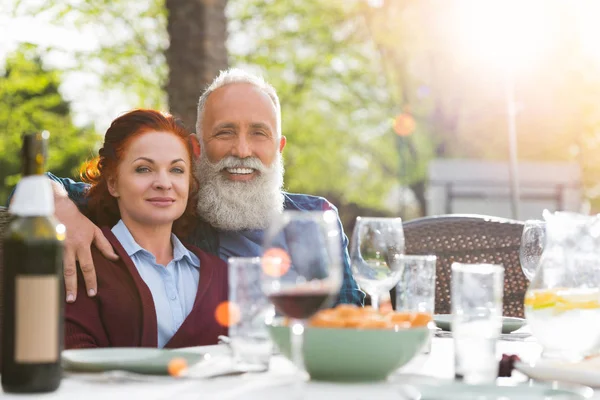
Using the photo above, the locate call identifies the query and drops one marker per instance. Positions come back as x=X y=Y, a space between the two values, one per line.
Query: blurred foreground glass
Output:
x=377 y=244
x=562 y=304
x=533 y=241
x=302 y=268
x=416 y=289
x=477 y=291
x=415 y=292
x=249 y=311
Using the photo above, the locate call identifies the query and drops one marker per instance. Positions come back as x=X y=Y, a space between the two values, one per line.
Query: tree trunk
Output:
x=419 y=189
x=198 y=33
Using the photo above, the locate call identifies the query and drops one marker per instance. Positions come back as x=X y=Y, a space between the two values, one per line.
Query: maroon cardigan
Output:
x=123 y=314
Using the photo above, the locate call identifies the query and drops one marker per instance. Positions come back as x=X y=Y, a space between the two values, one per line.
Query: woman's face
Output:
x=153 y=179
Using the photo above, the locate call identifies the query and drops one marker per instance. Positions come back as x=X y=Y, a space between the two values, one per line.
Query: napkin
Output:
x=213 y=366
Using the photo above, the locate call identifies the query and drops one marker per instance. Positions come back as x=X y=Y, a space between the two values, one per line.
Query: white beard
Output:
x=235 y=205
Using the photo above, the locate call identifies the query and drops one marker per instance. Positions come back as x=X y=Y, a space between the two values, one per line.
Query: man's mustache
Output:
x=236 y=162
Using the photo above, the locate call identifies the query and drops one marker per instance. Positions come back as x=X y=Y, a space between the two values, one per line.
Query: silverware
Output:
x=117 y=376
x=409 y=392
x=224 y=340
x=120 y=376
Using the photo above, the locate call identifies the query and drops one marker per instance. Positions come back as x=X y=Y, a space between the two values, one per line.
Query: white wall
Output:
x=483 y=187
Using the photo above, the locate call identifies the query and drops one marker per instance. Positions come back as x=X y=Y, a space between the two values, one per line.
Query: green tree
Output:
x=337 y=102
x=31 y=102
x=339 y=92
x=159 y=53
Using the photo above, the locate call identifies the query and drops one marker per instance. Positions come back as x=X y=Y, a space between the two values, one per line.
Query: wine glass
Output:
x=376 y=255
x=302 y=268
x=533 y=241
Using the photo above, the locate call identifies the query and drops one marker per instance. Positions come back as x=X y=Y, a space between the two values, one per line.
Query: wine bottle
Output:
x=32 y=324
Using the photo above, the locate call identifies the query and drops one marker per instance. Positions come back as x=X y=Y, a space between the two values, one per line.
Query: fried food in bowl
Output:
x=349 y=343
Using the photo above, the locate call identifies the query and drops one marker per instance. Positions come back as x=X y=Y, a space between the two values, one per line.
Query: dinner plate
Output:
x=462 y=391
x=509 y=324
x=213 y=350
x=132 y=359
x=586 y=372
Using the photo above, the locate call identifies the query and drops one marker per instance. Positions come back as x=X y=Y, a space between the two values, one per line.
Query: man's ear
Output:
x=112 y=188
x=282 y=143
x=195 y=142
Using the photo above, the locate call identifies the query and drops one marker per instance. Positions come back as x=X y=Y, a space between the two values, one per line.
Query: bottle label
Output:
x=37 y=318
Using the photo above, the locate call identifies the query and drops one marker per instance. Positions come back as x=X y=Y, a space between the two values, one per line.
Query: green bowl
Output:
x=352 y=355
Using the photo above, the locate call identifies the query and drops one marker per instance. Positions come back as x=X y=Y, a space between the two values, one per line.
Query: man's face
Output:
x=240 y=120
x=240 y=169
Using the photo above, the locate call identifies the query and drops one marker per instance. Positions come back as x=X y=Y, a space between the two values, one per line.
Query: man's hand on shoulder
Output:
x=81 y=234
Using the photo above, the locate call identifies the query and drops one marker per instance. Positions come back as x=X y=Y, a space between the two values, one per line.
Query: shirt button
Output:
x=173 y=297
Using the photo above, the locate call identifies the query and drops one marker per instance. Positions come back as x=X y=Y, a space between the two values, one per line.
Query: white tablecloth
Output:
x=278 y=382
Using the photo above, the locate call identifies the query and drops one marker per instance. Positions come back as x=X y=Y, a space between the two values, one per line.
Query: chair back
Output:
x=470 y=239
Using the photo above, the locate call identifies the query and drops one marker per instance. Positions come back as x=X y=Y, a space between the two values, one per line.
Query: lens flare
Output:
x=227 y=314
x=177 y=367
x=276 y=262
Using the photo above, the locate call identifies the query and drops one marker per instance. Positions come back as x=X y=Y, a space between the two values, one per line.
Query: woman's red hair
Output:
x=102 y=207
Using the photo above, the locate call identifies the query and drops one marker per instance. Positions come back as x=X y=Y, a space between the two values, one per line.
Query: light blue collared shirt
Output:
x=173 y=287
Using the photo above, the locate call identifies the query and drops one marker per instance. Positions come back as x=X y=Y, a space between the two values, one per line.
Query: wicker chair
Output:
x=470 y=239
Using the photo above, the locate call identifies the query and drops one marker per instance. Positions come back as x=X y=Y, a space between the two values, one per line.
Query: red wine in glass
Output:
x=299 y=303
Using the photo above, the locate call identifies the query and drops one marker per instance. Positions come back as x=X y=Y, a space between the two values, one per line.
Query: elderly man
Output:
x=241 y=178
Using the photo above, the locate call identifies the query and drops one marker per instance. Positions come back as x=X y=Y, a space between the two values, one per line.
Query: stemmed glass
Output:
x=533 y=241
x=302 y=268
x=376 y=255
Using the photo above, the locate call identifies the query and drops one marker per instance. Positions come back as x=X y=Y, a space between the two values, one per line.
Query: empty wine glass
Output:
x=533 y=241
x=302 y=268
x=377 y=247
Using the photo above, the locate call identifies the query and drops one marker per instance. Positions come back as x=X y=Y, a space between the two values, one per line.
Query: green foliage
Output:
x=31 y=102
x=340 y=80
x=337 y=96
x=131 y=40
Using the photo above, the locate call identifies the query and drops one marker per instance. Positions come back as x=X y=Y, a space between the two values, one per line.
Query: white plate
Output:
x=213 y=350
x=584 y=373
x=509 y=324
x=133 y=359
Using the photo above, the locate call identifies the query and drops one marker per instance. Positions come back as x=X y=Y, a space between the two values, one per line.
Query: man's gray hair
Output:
x=236 y=75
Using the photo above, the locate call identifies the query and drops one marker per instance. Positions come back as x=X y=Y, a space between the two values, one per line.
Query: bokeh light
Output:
x=276 y=262
x=404 y=124
x=227 y=314
x=177 y=367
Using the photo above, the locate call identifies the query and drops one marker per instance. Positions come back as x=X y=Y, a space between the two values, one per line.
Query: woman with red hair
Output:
x=160 y=293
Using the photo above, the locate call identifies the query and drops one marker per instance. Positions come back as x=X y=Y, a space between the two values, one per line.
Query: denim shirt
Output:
x=210 y=239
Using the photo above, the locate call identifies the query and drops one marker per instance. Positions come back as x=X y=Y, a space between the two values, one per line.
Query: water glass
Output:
x=415 y=292
x=377 y=245
x=476 y=320
x=533 y=241
x=250 y=342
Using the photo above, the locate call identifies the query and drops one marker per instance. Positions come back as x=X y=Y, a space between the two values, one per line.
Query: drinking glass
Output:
x=250 y=343
x=415 y=292
x=302 y=267
x=477 y=291
x=533 y=241
x=377 y=245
